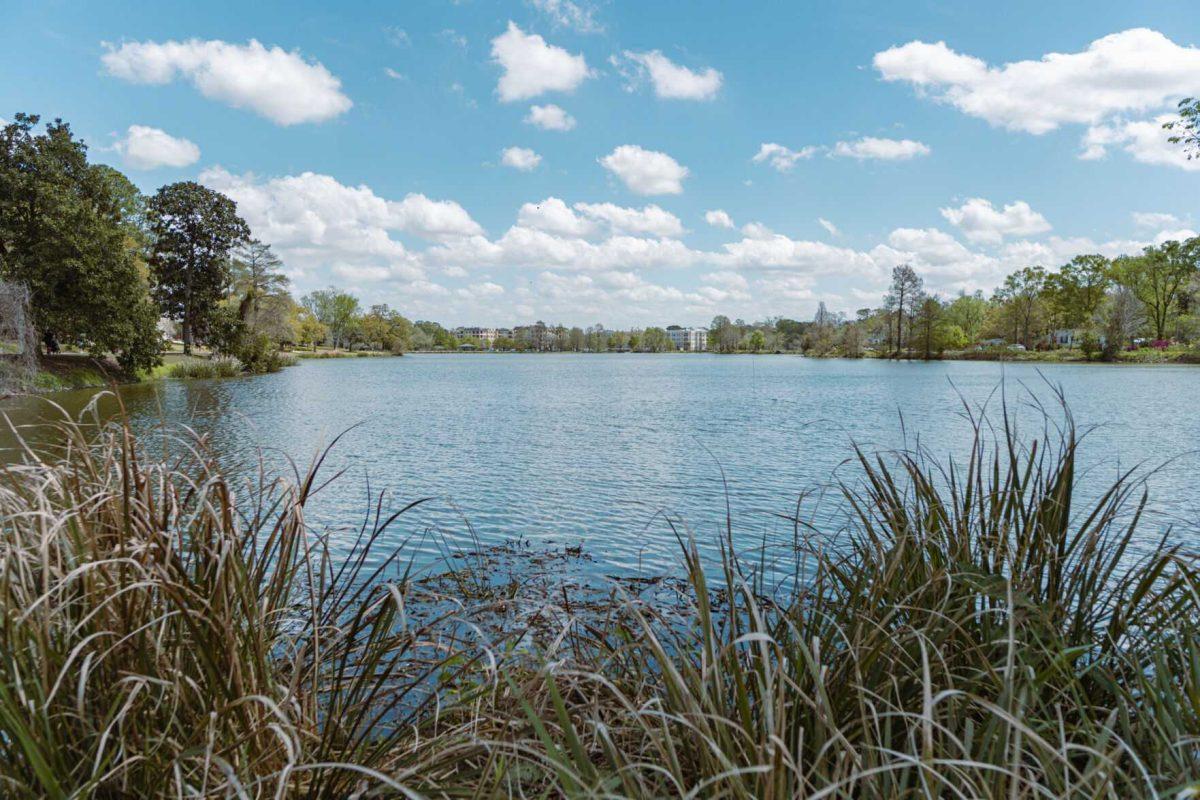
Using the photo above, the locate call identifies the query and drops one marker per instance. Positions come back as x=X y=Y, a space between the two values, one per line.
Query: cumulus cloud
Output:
x=780 y=157
x=1106 y=87
x=1132 y=71
x=718 y=218
x=980 y=221
x=552 y=215
x=671 y=81
x=314 y=222
x=550 y=118
x=277 y=84
x=871 y=147
x=533 y=67
x=143 y=147
x=645 y=171
x=1145 y=140
x=521 y=158
x=647 y=221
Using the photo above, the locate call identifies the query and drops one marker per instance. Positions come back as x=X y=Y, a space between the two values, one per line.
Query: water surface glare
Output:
x=597 y=448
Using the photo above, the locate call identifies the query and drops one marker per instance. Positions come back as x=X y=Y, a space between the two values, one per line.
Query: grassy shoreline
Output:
x=167 y=633
x=68 y=372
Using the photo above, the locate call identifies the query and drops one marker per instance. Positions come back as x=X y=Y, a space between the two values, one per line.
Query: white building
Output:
x=691 y=339
x=483 y=338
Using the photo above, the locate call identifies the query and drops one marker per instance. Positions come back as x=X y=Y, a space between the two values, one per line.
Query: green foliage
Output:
x=337 y=311
x=69 y=232
x=656 y=340
x=217 y=367
x=194 y=230
x=1186 y=129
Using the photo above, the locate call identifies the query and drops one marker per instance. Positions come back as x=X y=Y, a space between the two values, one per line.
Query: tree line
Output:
x=105 y=264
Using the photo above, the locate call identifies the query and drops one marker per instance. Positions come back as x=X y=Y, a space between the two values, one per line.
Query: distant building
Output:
x=483 y=338
x=693 y=340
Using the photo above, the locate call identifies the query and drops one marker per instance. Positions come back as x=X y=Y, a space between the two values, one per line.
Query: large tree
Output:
x=194 y=230
x=904 y=297
x=256 y=275
x=69 y=232
x=1020 y=297
x=1159 y=277
x=1078 y=289
x=336 y=310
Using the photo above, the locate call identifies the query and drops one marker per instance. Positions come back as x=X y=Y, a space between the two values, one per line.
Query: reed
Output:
x=974 y=630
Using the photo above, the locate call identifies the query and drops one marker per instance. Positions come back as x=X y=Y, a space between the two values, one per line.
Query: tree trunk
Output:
x=187 y=337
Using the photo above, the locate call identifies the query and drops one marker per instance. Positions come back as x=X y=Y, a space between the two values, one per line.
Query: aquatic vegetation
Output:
x=973 y=630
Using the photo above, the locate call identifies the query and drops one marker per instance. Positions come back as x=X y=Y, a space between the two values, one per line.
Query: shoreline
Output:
x=71 y=372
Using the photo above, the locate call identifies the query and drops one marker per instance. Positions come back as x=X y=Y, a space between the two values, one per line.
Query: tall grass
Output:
x=216 y=367
x=975 y=631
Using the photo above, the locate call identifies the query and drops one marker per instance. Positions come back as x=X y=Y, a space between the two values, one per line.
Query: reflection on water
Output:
x=600 y=449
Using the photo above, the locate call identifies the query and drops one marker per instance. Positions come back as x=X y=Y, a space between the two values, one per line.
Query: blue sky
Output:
x=367 y=141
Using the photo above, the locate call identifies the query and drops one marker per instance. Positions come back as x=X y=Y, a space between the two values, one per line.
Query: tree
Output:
x=756 y=342
x=1186 y=129
x=902 y=298
x=723 y=335
x=310 y=330
x=1159 y=278
x=194 y=230
x=1119 y=318
x=968 y=312
x=927 y=327
x=1078 y=289
x=386 y=329
x=69 y=233
x=256 y=275
x=656 y=340
x=337 y=311
x=1021 y=299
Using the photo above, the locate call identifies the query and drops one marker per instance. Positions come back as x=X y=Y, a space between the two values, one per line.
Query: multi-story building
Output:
x=483 y=338
x=690 y=339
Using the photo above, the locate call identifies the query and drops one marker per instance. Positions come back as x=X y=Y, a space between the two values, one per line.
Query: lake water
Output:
x=603 y=449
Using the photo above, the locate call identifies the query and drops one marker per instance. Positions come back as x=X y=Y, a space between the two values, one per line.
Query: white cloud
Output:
x=828 y=226
x=1145 y=140
x=1154 y=219
x=648 y=221
x=578 y=16
x=1133 y=71
x=871 y=147
x=282 y=86
x=672 y=81
x=980 y=221
x=550 y=118
x=756 y=230
x=394 y=75
x=780 y=157
x=554 y=216
x=764 y=249
x=148 y=148
x=645 y=171
x=521 y=158
x=718 y=218
x=533 y=67
x=315 y=223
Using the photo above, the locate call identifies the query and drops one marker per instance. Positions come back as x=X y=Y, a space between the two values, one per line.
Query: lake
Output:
x=604 y=450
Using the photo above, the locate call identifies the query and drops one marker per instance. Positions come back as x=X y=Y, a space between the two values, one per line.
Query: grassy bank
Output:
x=973 y=631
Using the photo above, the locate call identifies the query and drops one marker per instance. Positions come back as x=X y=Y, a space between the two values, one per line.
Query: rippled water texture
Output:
x=598 y=449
